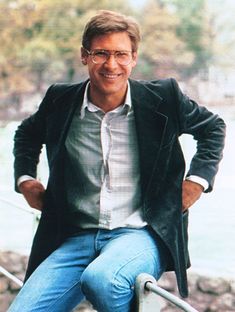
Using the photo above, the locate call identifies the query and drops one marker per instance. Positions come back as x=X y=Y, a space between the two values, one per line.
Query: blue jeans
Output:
x=101 y=265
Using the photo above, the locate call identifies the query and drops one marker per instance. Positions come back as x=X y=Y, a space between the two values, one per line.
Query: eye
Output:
x=122 y=54
x=100 y=53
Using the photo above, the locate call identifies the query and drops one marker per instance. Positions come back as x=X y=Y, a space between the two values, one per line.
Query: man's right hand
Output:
x=33 y=192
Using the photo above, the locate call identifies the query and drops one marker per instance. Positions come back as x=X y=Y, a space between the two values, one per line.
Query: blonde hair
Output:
x=109 y=22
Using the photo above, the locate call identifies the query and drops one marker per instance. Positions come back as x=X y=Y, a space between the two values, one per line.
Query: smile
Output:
x=110 y=76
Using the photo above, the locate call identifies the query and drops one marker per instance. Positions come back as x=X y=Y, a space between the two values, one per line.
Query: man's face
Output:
x=109 y=78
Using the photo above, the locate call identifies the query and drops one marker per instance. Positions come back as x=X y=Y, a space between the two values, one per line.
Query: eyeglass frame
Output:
x=109 y=53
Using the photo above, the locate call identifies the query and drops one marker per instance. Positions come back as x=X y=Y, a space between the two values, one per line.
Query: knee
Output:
x=94 y=283
x=106 y=290
x=103 y=288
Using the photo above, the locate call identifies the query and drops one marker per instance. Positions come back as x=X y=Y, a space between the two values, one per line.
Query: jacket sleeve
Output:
x=29 y=139
x=208 y=130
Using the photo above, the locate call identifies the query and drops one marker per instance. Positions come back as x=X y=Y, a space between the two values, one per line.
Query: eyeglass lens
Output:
x=102 y=56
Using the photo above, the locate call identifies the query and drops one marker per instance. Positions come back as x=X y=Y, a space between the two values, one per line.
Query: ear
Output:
x=134 y=59
x=84 y=56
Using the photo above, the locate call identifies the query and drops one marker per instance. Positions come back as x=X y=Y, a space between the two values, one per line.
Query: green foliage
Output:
x=41 y=39
x=162 y=49
x=194 y=30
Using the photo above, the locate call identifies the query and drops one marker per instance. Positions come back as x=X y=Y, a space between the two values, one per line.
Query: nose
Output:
x=111 y=61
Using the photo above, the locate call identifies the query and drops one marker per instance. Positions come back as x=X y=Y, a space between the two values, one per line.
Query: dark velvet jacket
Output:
x=162 y=114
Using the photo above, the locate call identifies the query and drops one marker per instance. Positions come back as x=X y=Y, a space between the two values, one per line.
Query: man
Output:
x=116 y=203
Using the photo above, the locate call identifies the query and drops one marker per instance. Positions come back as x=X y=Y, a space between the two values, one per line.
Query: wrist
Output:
x=201 y=181
x=24 y=178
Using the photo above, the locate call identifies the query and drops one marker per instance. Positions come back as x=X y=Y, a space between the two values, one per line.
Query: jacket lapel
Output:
x=65 y=105
x=74 y=102
x=150 y=127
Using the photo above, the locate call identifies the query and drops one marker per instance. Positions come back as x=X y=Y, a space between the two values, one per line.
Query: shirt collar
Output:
x=127 y=105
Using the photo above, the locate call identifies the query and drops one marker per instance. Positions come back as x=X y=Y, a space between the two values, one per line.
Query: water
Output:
x=212 y=219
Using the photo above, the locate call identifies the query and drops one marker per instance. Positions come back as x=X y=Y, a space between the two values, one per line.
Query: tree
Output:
x=41 y=42
x=62 y=22
x=13 y=29
x=222 y=22
x=194 y=30
x=162 y=51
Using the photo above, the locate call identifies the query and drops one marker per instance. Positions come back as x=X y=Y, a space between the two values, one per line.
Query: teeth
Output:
x=110 y=76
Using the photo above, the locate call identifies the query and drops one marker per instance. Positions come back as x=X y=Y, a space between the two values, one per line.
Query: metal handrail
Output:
x=36 y=215
x=168 y=296
x=146 y=285
x=11 y=276
x=33 y=211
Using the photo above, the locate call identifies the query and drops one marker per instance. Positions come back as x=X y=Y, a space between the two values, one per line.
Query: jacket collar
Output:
x=146 y=104
x=142 y=94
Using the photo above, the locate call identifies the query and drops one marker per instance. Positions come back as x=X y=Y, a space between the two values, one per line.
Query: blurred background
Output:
x=192 y=41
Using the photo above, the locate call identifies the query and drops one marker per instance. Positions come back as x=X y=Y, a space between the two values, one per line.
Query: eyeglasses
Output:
x=102 y=56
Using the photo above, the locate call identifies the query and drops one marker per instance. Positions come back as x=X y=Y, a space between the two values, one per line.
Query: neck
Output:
x=107 y=102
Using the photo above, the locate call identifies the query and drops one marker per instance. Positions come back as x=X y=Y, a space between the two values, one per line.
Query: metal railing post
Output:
x=146 y=300
x=146 y=285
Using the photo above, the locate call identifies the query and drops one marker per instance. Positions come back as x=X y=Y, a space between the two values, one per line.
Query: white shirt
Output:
x=105 y=146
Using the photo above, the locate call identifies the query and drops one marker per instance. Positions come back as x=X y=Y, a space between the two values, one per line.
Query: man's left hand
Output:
x=191 y=192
